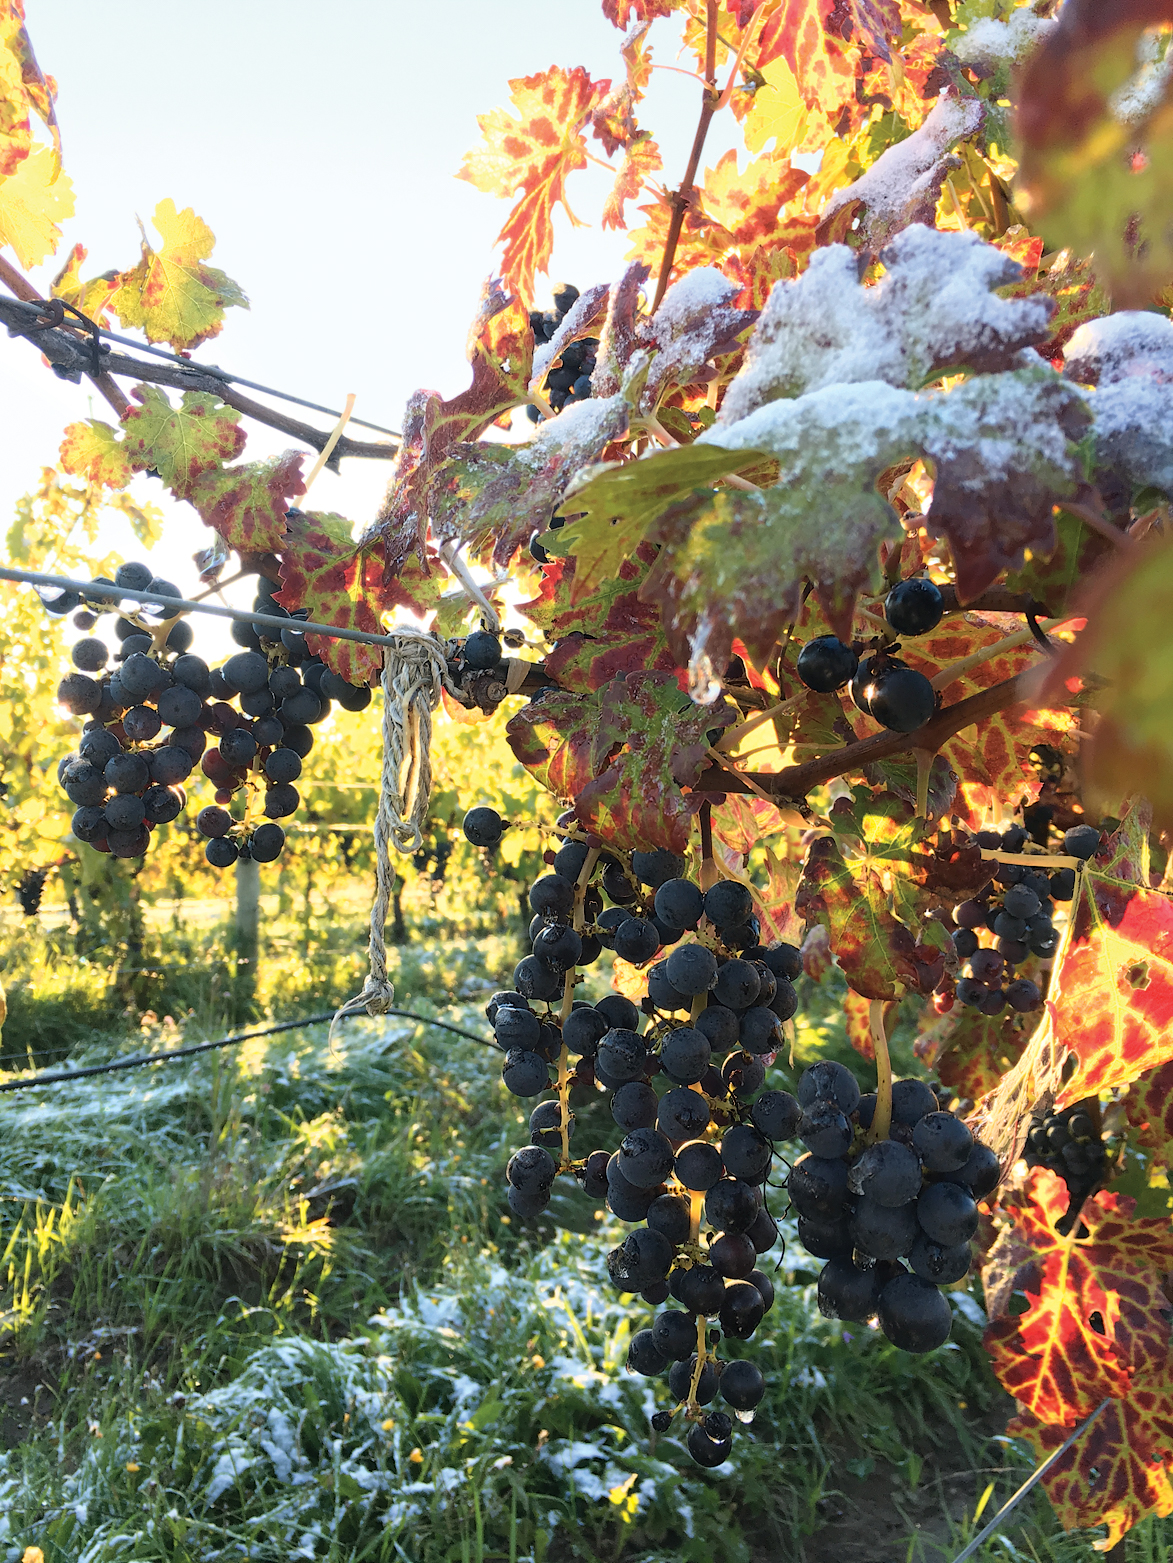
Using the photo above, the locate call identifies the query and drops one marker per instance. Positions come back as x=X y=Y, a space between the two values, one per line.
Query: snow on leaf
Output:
x=93 y=450
x=904 y=184
x=1091 y=176
x=934 y=309
x=247 y=505
x=614 y=510
x=498 y=496
x=533 y=152
x=875 y=950
x=694 y=323
x=584 y=319
x=171 y=294
x=1128 y=359
x=34 y=199
x=180 y=443
x=608 y=632
x=324 y=571
x=500 y=349
x=618 y=338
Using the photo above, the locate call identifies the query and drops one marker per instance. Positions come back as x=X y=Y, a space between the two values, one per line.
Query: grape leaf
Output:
x=501 y=352
x=610 y=631
x=90 y=297
x=93 y=450
x=23 y=87
x=247 y=505
x=1054 y=579
x=857 y=1015
x=775 y=903
x=623 y=754
x=1149 y=1105
x=324 y=571
x=620 y=12
x=641 y=159
x=875 y=950
x=1092 y=177
x=655 y=740
x=534 y=152
x=495 y=497
x=614 y=510
x=180 y=443
x=745 y=205
x=971 y=1052
x=171 y=294
x=825 y=67
x=1096 y=1327
x=34 y=199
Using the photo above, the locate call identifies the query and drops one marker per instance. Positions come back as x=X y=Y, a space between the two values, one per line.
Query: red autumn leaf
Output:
x=641 y=159
x=247 y=505
x=621 y=12
x=857 y=1012
x=1149 y=1104
x=533 y=153
x=746 y=205
x=501 y=353
x=775 y=904
x=338 y=581
x=553 y=738
x=743 y=821
x=824 y=65
x=609 y=632
x=36 y=91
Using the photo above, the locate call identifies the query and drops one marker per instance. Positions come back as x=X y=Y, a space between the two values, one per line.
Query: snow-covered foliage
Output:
x=1128 y=359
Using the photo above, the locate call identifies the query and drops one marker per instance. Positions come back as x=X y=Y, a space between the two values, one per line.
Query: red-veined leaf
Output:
x=180 y=443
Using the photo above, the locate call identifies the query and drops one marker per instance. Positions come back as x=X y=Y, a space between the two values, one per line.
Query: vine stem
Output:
x=682 y=198
x=882 y=1118
x=580 y=889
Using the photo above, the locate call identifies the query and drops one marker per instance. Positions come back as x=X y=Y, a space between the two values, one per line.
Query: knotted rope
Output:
x=414 y=672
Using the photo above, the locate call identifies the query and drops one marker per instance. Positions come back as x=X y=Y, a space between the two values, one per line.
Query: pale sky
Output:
x=321 y=148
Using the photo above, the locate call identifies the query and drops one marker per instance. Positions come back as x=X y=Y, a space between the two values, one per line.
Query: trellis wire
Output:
x=62 y=1076
x=1035 y=1476
x=116 y=594
x=211 y=370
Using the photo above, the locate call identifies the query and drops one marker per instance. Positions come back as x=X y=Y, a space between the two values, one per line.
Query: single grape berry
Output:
x=482 y=650
x=1081 y=841
x=901 y=699
x=826 y=664
x=914 y=607
x=483 y=827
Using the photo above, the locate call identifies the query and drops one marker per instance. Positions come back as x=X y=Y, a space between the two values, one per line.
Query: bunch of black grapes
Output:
x=153 y=705
x=681 y=1069
x=882 y=685
x=570 y=380
x=1071 y=1144
x=1020 y=919
x=868 y=1206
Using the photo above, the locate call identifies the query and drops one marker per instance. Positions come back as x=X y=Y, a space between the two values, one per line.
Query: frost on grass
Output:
x=989 y=45
x=934 y=309
x=904 y=184
x=1128 y=359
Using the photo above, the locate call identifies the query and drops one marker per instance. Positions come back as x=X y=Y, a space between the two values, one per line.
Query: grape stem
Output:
x=1033 y=860
x=882 y=1118
x=702 y=1341
x=954 y=671
x=681 y=199
x=580 y=889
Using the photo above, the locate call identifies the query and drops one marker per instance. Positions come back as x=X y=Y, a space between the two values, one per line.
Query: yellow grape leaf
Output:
x=94 y=451
x=90 y=297
x=171 y=294
x=779 y=113
x=32 y=201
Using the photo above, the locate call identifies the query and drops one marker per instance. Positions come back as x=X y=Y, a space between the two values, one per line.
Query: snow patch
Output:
x=989 y=44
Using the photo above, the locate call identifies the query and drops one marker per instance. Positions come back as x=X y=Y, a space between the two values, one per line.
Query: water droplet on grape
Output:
x=744 y=1416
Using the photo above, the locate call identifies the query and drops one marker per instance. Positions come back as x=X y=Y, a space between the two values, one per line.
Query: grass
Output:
x=268 y=1304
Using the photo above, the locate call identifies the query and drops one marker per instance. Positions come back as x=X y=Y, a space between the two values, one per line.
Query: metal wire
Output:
x=37 y=311
x=62 y=1076
x=115 y=594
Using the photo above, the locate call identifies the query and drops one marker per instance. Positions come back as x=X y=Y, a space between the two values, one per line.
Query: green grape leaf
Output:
x=1055 y=578
x=93 y=450
x=171 y=294
x=613 y=510
x=180 y=443
x=247 y=504
x=324 y=571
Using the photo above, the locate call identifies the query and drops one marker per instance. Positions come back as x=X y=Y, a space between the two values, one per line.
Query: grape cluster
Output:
x=571 y=380
x=882 y=686
x=1070 y=1144
x=150 y=717
x=681 y=1068
x=865 y=1205
x=1020 y=919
